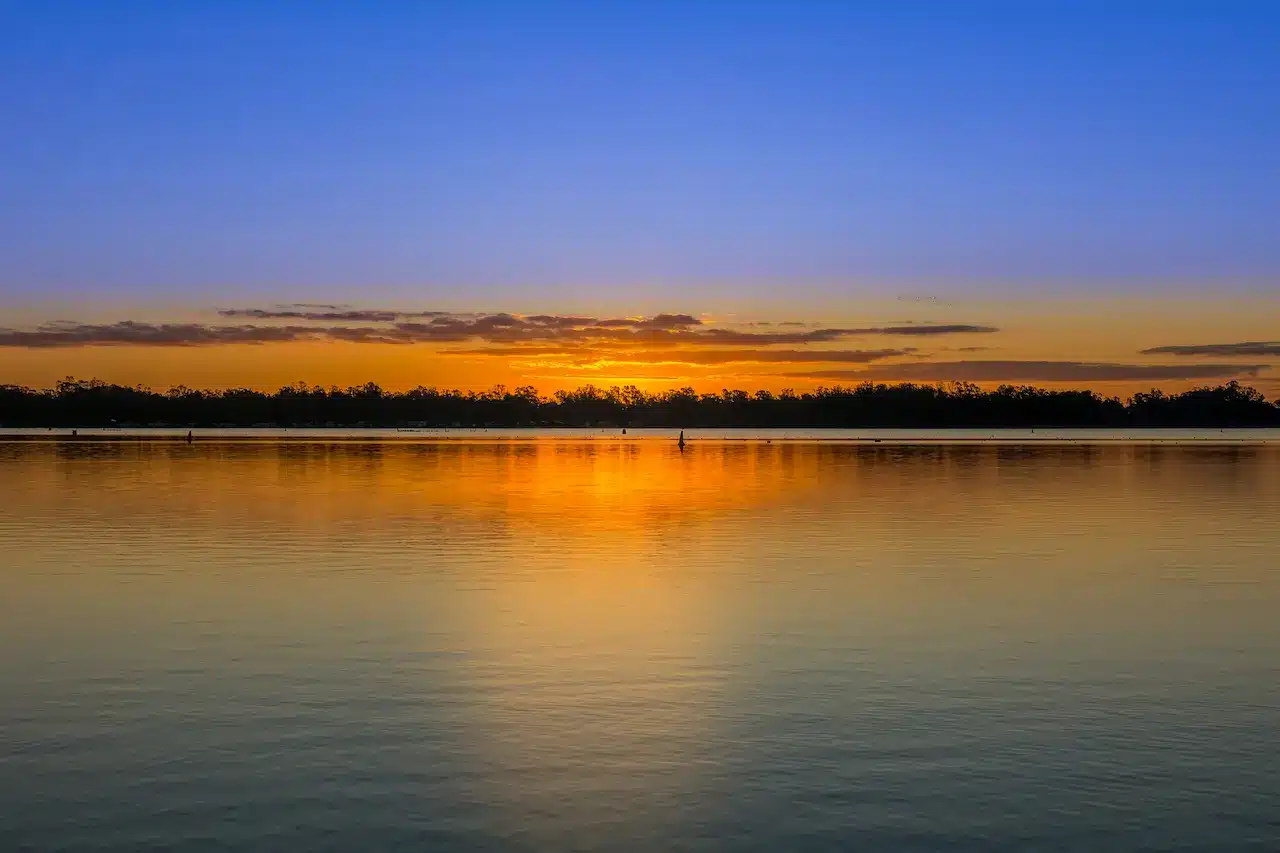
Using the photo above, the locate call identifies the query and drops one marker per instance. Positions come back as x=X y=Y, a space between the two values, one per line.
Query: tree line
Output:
x=94 y=403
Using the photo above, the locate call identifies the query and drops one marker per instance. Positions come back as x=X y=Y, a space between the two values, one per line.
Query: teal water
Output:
x=576 y=645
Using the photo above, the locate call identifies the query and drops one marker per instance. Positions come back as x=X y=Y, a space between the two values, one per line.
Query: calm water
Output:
x=615 y=435
x=560 y=645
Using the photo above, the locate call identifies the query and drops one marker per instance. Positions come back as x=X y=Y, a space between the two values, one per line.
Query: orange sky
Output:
x=1095 y=343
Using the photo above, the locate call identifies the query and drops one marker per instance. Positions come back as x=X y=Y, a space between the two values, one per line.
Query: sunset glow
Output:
x=1117 y=346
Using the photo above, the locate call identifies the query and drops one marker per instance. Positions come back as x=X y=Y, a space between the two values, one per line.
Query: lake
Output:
x=573 y=642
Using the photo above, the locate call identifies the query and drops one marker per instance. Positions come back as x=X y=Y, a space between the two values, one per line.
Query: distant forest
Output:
x=93 y=403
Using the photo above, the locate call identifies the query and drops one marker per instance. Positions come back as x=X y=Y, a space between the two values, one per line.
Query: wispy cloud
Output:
x=1247 y=348
x=557 y=322
x=706 y=356
x=928 y=329
x=329 y=322
x=1034 y=371
x=657 y=321
x=132 y=333
x=327 y=313
x=713 y=356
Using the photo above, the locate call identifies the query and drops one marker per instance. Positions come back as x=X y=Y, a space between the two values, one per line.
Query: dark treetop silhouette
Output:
x=95 y=403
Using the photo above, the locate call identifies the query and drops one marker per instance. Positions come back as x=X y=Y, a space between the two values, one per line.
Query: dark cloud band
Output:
x=1035 y=371
x=327 y=313
x=1247 y=348
x=706 y=356
x=398 y=327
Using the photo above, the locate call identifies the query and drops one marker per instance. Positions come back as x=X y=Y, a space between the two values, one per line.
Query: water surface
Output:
x=617 y=435
x=586 y=645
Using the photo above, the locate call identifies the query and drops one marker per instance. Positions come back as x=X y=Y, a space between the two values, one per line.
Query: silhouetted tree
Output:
x=92 y=402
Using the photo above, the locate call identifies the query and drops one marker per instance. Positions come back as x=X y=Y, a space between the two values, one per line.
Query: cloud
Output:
x=1034 y=371
x=130 y=333
x=560 y=322
x=931 y=329
x=708 y=356
x=671 y=321
x=785 y=356
x=327 y=313
x=338 y=323
x=734 y=337
x=693 y=356
x=657 y=321
x=1248 y=348
x=661 y=334
x=338 y=313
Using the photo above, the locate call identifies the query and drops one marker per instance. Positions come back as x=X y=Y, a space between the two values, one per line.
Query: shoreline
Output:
x=1151 y=436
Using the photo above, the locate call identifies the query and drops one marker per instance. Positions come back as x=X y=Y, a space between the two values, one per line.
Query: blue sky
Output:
x=511 y=151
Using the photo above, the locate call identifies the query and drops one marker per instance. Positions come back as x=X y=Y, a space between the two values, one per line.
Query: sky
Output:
x=255 y=193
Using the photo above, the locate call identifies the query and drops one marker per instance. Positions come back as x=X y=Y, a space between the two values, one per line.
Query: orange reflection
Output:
x=603 y=604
